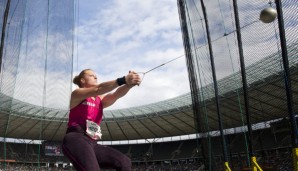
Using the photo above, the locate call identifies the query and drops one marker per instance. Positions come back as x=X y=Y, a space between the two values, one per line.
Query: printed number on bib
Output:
x=93 y=130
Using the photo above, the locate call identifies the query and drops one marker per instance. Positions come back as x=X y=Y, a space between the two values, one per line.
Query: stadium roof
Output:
x=166 y=118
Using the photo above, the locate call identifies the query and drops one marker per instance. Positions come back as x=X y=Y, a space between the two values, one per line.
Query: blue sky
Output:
x=114 y=37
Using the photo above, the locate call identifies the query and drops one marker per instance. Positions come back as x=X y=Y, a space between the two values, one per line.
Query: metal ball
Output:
x=268 y=15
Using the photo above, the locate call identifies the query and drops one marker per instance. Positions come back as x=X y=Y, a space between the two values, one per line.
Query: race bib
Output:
x=93 y=130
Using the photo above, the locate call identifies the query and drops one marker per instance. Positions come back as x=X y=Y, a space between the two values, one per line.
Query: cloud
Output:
x=135 y=35
x=114 y=37
x=140 y=35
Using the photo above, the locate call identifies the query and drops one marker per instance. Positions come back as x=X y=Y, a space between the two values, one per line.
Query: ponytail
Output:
x=77 y=79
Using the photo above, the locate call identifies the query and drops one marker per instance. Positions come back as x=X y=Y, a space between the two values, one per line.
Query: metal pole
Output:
x=243 y=74
x=283 y=44
x=225 y=154
x=6 y=12
x=191 y=73
x=287 y=80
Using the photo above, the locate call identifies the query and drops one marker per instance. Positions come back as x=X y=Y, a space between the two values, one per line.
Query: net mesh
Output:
x=37 y=53
x=262 y=55
x=36 y=66
x=37 y=60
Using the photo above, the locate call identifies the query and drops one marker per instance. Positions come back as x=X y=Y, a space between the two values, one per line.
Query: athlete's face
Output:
x=89 y=78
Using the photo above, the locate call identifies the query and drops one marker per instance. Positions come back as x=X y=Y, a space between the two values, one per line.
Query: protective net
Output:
x=225 y=41
x=36 y=61
x=36 y=56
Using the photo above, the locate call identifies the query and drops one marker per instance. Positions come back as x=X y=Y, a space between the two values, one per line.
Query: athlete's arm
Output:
x=78 y=95
x=111 y=98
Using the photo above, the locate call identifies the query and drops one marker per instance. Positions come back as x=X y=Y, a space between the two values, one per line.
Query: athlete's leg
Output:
x=110 y=157
x=79 y=149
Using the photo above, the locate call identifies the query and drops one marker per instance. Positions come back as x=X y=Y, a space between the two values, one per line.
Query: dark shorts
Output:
x=86 y=155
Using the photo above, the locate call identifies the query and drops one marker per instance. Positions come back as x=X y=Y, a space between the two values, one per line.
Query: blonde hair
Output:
x=77 y=79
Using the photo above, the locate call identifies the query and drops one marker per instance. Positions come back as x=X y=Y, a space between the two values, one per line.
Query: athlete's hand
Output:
x=132 y=79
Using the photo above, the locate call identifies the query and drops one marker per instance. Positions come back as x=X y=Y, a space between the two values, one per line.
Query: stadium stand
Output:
x=272 y=151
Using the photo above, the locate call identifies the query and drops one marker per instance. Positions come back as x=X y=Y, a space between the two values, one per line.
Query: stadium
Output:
x=239 y=115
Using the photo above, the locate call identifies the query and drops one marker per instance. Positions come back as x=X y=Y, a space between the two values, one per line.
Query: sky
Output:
x=113 y=37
